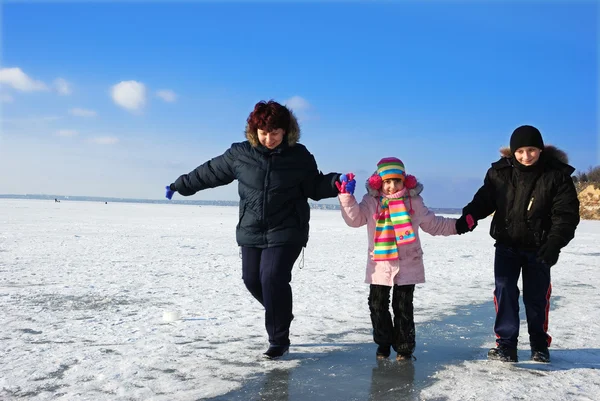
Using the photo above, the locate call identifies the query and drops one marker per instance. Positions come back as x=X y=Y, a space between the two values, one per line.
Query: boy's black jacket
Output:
x=530 y=205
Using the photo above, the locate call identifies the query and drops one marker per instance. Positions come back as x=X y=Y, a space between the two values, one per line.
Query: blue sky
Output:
x=118 y=99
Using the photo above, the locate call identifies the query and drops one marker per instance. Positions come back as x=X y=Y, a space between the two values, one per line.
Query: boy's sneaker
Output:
x=504 y=354
x=403 y=356
x=383 y=352
x=540 y=355
x=276 y=351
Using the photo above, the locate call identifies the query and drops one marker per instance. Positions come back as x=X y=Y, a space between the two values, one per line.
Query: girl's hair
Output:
x=269 y=116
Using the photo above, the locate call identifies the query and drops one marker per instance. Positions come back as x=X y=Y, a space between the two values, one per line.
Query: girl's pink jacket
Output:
x=409 y=268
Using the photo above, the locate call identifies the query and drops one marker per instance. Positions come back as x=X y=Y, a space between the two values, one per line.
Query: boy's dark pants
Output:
x=401 y=333
x=536 y=296
x=267 y=274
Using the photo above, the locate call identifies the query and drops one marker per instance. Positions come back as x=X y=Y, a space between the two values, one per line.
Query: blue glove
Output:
x=348 y=184
x=169 y=193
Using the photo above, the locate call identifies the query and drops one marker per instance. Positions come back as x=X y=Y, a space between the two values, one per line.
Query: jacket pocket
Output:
x=242 y=213
x=410 y=254
x=299 y=216
x=499 y=228
x=416 y=253
x=493 y=229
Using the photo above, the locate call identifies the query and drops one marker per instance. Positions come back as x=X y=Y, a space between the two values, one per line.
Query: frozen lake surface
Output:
x=84 y=287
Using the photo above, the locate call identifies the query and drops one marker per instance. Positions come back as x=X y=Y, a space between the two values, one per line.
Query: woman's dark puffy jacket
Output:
x=529 y=207
x=273 y=185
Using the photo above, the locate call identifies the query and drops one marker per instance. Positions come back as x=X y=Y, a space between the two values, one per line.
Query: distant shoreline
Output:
x=313 y=205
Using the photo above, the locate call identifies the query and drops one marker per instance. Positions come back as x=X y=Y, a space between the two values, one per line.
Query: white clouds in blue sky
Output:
x=63 y=87
x=167 y=95
x=130 y=95
x=303 y=110
x=16 y=79
x=297 y=103
x=440 y=86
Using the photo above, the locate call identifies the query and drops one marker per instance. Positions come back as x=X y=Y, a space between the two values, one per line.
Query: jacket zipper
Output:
x=266 y=185
x=530 y=203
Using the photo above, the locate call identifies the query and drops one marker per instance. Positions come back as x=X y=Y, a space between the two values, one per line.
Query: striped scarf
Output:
x=392 y=229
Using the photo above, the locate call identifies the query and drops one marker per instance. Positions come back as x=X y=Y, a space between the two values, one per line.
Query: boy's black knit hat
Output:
x=526 y=135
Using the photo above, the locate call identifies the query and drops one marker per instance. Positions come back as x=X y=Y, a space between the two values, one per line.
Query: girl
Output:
x=393 y=211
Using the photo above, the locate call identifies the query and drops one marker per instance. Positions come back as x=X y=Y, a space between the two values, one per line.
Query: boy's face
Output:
x=528 y=155
x=270 y=139
x=392 y=186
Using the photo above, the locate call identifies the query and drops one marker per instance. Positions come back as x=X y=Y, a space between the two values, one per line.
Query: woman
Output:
x=276 y=176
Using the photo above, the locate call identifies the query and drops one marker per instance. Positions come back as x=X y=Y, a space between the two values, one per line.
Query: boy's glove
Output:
x=465 y=224
x=169 y=193
x=549 y=252
x=347 y=184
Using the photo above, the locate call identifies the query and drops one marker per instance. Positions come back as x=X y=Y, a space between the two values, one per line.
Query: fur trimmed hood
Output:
x=292 y=133
x=550 y=152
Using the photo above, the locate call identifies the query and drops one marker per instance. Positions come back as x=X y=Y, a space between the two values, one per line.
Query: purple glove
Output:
x=169 y=193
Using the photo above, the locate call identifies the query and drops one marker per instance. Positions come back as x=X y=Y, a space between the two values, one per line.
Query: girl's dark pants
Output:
x=267 y=273
x=399 y=333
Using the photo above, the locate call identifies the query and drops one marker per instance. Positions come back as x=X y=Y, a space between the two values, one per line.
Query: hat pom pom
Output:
x=410 y=182
x=375 y=181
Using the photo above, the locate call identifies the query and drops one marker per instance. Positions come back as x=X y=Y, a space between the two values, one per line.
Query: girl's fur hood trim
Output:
x=411 y=192
x=550 y=151
x=292 y=133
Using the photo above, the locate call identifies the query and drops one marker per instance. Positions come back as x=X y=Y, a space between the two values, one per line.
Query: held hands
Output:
x=347 y=184
x=169 y=193
x=465 y=224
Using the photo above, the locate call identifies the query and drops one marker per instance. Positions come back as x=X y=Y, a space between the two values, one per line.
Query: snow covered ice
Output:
x=134 y=301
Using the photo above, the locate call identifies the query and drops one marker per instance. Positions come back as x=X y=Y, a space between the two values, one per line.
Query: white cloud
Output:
x=104 y=140
x=167 y=95
x=131 y=95
x=67 y=132
x=17 y=79
x=297 y=103
x=6 y=98
x=63 y=87
x=82 y=112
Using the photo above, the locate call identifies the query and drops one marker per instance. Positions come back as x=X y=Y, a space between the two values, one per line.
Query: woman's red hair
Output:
x=269 y=116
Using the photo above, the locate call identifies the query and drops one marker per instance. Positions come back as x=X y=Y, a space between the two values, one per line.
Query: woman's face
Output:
x=528 y=155
x=392 y=186
x=271 y=139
